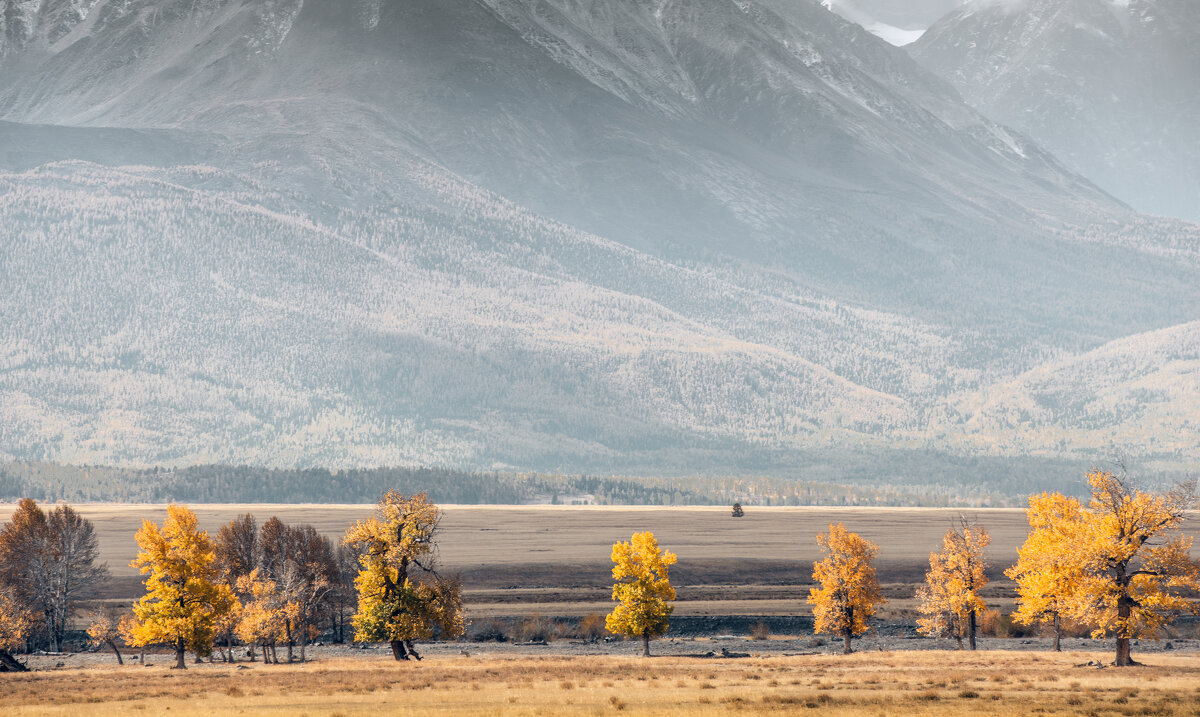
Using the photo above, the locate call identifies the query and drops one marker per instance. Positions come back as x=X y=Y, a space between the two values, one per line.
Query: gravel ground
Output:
x=697 y=646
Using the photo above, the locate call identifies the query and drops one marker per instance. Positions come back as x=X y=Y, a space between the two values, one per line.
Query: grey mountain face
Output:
x=630 y=237
x=899 y=22
x=1111 y=87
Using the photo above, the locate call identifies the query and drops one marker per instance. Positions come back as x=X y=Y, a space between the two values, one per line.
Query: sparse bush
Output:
x=591 y=627
x=490 y=630
x=1001 y=624
x=536 y=628
x=760 y=630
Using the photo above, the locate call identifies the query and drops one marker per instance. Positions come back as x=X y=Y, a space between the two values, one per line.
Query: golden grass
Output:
x=935 y=683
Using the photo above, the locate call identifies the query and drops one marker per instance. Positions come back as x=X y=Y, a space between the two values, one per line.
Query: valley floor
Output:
x=559 y=679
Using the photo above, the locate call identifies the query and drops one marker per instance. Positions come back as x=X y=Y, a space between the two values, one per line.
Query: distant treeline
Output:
x=248 y=484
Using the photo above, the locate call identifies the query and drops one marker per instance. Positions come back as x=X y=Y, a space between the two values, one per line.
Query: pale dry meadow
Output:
x=868 y=683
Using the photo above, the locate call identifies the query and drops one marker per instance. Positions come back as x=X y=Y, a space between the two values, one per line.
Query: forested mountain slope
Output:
x=662 y=237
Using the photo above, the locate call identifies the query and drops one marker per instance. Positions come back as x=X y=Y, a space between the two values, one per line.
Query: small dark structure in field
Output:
x=737 y=510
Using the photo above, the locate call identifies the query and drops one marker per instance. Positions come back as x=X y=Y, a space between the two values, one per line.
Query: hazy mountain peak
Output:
x=1109 y=86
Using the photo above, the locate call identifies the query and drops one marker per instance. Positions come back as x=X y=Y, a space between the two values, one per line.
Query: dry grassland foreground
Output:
x=933 y=683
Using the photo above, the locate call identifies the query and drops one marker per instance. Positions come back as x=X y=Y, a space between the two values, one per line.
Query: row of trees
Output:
x=263 y=587
x=270 y=586
x=1116 y=565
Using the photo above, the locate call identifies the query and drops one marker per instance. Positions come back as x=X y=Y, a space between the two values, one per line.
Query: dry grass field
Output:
x=554 y=560
x=475 y=539
x=870 y=683
x=569 y=546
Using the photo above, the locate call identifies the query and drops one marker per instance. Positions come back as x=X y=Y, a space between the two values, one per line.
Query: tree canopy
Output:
x=847 y=593
x=643 y=589
x=401 y=596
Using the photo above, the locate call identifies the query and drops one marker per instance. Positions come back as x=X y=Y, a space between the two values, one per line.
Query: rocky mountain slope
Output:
x=1111 y=87
x=662 y=237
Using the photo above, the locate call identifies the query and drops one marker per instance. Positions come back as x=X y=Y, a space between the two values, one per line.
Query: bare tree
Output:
x=49 y=561
x=73 y=569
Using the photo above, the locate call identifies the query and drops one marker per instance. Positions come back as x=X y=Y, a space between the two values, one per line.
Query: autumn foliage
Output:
x=401 y=596
x=848 y=592
x=1116 y=564
x=184 y=599
x=1048 y=572
x=951 y=601
x=642 y=590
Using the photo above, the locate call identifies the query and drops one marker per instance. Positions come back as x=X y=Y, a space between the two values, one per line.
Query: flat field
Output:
x=874 y=683
x=555 y=559
x=478 y=539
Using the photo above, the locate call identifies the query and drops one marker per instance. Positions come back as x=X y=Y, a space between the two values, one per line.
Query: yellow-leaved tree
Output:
x=849 y=593
x=396 y=603
x=950 y=600
x=265 y=614
x=16 y=621
x=184 y=602
x=1048 y=572
x=1136 y=569
x=643 y=589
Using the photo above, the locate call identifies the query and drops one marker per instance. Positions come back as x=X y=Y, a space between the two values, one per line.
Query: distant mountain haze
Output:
x=1111 y=87
x=664 y=238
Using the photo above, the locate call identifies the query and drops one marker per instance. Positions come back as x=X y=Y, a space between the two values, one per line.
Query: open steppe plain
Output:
x=555 y=560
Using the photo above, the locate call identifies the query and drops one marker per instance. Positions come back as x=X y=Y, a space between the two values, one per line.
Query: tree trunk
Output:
x=846 y=634
x=1124 y=658
x=8 y=663
x=180 y=662
x=1057 y=632
x=959 y=639
x=291 y=639
x=113 y=645
x=398 y=650
x=971 y=629
x=411 y=650
x=229 y=645
x=646 y=643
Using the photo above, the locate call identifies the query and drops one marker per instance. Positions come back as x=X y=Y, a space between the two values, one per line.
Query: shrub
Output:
x=998 y=624
x=591 y=627
x=490 y=630
x=760 y=630
x=536 y=628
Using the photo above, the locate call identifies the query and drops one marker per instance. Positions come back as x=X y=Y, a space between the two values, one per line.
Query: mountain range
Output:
x=1110 y=87
x=668 y=237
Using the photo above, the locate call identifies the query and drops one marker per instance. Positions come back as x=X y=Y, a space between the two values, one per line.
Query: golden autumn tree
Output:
x=401 y=597
x=1137 y=570
x=643 y=589
x=950 y=600
x=849 y=593
x=264 y=615
x=1048 y=572
x=184 y=602
x=16 y=621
